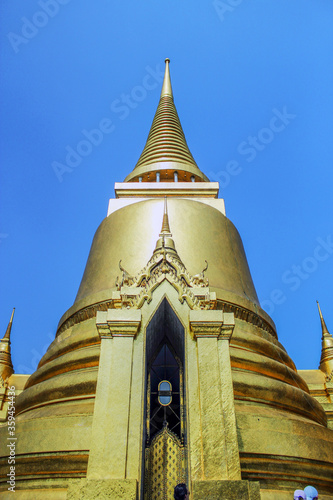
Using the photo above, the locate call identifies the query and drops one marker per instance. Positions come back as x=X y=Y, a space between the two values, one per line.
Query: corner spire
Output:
x=6 y=365
x=322 y=321
x=166 y=156
x=9 y=327
x=326 y=360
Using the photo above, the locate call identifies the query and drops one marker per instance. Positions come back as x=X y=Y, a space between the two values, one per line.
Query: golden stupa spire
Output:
x=6 y=365
x=166 y=156
x=326 y=360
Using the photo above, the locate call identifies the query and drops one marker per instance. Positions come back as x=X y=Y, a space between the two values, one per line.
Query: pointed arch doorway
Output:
x=165 y=430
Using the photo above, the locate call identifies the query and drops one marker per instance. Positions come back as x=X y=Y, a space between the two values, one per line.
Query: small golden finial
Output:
x=165 y=224
x=166 y=87
x=165 y=243
x=9 y=327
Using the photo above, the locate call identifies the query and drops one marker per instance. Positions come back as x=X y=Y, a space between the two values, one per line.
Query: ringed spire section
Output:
x=166 y=156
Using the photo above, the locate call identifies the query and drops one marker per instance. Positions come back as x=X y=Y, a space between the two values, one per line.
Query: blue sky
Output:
x=252 y=82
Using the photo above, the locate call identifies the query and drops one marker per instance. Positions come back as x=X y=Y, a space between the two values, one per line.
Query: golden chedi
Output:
x=166 y=369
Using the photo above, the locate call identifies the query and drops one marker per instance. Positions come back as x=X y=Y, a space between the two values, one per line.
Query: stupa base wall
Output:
x=74 y=489
x=113 y=489
x=226 y=490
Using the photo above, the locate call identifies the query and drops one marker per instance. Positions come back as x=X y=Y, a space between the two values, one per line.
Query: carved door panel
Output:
x=165 y=466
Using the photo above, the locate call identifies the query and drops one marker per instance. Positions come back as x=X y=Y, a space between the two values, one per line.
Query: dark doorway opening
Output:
x=165 y=430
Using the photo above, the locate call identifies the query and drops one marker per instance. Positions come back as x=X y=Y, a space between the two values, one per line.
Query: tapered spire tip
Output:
x=166 y=87
x=322 y=321
x=165 y=224
x=9 y=327
x=6 y=365
x=326 y=359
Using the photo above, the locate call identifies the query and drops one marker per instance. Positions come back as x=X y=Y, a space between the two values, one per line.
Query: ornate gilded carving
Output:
x=165 y=266
x=126 y=278
x=199 y=279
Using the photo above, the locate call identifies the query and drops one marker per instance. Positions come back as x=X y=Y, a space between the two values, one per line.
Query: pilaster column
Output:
x=109 y=440
x=212 y=331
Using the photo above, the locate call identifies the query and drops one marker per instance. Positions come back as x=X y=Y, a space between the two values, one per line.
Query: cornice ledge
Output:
x=118 y=323
x=211 y=324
